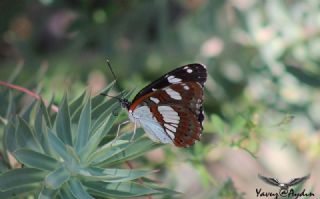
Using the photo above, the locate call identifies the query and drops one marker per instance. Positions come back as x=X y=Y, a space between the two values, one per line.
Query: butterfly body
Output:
x=170 y=108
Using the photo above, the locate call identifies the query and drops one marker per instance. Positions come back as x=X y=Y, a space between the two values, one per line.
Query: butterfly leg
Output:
x=134 y=130
x=118 y=131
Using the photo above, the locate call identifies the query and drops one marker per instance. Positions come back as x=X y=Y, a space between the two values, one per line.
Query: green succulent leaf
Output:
x=65 y=192
x=45 y=113
x=63 y=161
x=77 y=103
x=36 y=160
x=9 y=140
x=78 y=189
x=96 y=138
x=19 y=192
x=15 y=73
x=53 y=115
x=56 y=178
x=11 y=107
x=48 y=193
x=63 y=124
x=104 y=153
x=163 y=191
x=103 y=111
x=98 y=99
x=84 y=126
x=73 y=154
x=25 y=137
x=4 y=166
x=20 y=177
x=122 y=189
x=26 y=112
x=41 y=131
x=135 y=149
x=58 y=146
x=112 y=175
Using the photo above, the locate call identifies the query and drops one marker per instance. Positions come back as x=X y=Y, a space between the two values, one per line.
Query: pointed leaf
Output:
x=36 y=160
x=78 y=190
x=163 y=191
x=117 y=190
x=52 y=114
x=19 y=192
x=48 y=193
x=15 y=73
x=97 y=100
x=4 y=166
x=111 y=175
x=56 y=178
x=11 y=110
x=97 y=137
x=63 y=125
x=45 y=113
x=20 y=177
x=41 y=132
x=9 y=139
x=75 y=104
x=71 y=151
x=102 y=112
x=25 y=137
x=136 y=149
x=58 y=146
x=26 y=112
x=83 y=131
x=104 y=153
x=65 y=192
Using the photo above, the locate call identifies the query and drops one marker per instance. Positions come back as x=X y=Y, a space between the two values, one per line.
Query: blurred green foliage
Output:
x=262 y=58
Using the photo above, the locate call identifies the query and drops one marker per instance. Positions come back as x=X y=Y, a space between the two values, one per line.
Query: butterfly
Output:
x=170 y=109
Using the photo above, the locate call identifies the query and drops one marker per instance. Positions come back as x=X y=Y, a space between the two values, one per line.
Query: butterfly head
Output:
x=124 y=103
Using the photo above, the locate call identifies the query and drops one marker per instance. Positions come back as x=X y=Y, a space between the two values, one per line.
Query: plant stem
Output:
x=28 y=92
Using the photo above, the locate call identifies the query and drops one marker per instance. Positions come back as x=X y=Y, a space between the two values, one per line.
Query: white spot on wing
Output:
x=142 y=115
x=173 y=94
x=189 y=70
x=153 y=89
x=172 y=79
x=169 y=114
x=155 y=100
x=174 y=125
x=170 y=134
x=169 y=120
x=165 y=108
x=186 y=87
x=171 y=128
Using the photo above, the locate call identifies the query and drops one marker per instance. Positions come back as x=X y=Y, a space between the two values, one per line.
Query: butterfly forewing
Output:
x=188 y=73
x=175 y=101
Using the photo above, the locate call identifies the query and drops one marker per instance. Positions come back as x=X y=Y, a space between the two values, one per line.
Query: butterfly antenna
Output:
x=113 y=74
x=115 y=79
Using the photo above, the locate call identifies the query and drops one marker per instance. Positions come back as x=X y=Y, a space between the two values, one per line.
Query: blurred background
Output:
x=262 y=97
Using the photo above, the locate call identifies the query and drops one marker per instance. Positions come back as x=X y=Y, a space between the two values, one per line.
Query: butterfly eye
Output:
x=124 y=103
